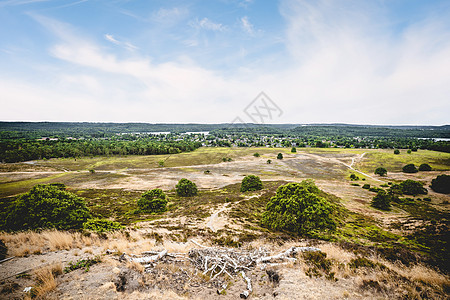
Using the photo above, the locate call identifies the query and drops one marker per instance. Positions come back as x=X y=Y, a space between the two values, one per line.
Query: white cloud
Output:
x=207 y=24
x=247 y=26
x=126 y=45
x=339 y=67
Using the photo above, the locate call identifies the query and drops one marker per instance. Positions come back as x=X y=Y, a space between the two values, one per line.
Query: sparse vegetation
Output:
x=84 y=264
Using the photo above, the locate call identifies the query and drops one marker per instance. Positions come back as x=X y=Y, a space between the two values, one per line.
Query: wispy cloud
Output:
x=247 y=26
x=126 y=45
x=207 y=24
x=341 y=64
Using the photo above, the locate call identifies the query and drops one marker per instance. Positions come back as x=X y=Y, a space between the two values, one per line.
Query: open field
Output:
x=221 y=216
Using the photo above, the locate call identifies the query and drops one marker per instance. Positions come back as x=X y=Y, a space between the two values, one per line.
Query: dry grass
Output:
x=136 y=266
x=59 y=240
x=46 y=281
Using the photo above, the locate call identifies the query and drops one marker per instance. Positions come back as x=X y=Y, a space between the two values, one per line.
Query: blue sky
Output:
x=361 y=62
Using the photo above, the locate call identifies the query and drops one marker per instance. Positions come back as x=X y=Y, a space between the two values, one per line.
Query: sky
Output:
x=207 y=61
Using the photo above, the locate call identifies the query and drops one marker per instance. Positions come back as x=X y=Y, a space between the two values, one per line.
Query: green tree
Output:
x=280 y=156
x=293 y=150
x=381 y=171
x=186 y=188
x=382 y=200
x=396 y=151
x=410 y=168
x=425 y=167
x=251 y=183
x=269 y=161
x=47 y=206
x=441 y=184
x=153 y=201
x=297 y=207
x=412 y=187
x=161 y=163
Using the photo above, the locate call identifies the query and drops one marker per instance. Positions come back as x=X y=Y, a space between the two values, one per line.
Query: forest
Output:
x=23 y=141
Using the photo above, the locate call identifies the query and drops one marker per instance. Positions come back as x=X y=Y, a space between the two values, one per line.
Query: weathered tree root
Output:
x=215 y=262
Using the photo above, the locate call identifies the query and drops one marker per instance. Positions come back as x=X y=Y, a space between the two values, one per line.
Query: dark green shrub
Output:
x=280 y=156
x=251 y=183
x=366 y=186
x=441 y=184
x=47 y=206
x=382 y=200
x=297 y=207
x=380 y=171
x=375 y=189
x=186 y=188
x=411 y=187
x=102 y=225
x=396 y=151
x=354 y=177
x=269 y=161
x=256 y=154
x=425 y=167
x=153 y=201
x=293 y=150
x=410 y=168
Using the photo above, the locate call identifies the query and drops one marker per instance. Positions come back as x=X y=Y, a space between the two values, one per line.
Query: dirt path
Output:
x=360 y=172
x=213 y=223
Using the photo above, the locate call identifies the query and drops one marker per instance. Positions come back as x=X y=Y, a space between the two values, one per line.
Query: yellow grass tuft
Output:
x=45 y=278
x=59 y=240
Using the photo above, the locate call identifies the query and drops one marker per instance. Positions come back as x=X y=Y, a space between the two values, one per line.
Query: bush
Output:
x=366 y=186
x=280 y=156
x=411 y=187
x=297 y=207
x=353 y=177
x=47 y=206
x=396 y=151
x=102 y=225
x=186 y=188
x=269 y=161
x=424 y=167
x=382 y=200
x=293 y=150
x=441 y=184
x=153 y=201
x=380 y=171
x=410 y=168
x=251 y=183
x=256 y=154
